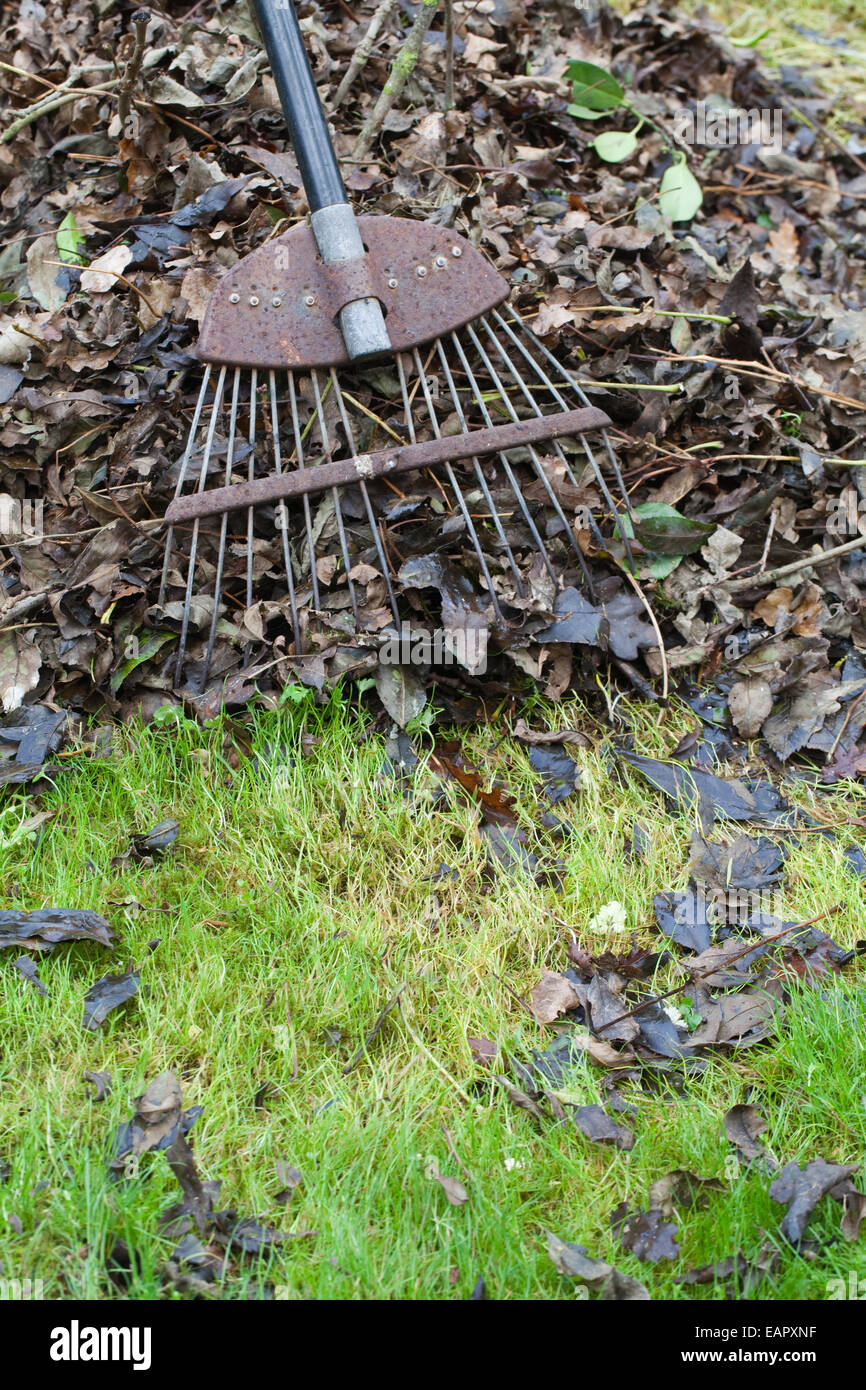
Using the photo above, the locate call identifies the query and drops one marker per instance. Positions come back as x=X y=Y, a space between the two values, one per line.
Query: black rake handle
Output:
x=300 y=102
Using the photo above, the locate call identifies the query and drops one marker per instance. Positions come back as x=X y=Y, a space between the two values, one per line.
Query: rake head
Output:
x=313 y=484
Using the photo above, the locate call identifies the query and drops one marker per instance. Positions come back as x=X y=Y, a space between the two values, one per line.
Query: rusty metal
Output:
x=278 y=306
x=365 y=467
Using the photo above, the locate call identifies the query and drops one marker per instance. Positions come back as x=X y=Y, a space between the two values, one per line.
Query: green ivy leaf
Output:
x=70 y=240
x=593 y=87
x=615 y=145
x=680 y=193
x=665 y=531
x=147 y=648
x=583 y=112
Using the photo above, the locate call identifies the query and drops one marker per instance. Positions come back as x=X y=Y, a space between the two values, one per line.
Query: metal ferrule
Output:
x=362 y=322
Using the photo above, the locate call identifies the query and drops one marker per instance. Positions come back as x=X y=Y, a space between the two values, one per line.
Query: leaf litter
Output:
x=734 y=475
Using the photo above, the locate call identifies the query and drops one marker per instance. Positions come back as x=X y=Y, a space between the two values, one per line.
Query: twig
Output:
x=117 y=275
x=770 y=529
x=736 y=586
x=362 y=1050
x=846 y=721
x=449 y=54
x=47 y=104
x=720 y=965
x=401 y=70
x=362 y=53
x=22 y=607
x=140 y=19
x=652 y=617
x=762 y=373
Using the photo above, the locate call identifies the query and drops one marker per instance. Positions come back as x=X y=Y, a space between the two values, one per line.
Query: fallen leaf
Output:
x=552 y=996
x=801 y=1189
x=645 y=1233
x=596 y=1125
x=101 y=275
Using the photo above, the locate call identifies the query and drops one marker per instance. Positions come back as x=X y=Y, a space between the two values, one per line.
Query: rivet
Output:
x=440 y=262
x=234 y=299
x=254 y=301
x=310 y=301
x=277 y=302
x=456 y=252
x=392 y=283
x=421 y=271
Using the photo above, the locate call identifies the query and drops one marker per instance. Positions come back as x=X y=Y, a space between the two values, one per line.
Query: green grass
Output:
x=295 y=903
x=828 y=42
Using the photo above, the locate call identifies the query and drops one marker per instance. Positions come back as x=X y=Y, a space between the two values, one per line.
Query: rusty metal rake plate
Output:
x=278 y=306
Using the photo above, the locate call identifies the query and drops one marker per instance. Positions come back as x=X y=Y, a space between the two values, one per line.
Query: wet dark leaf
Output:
x=743 y=1126
x=45 y=928
x=801 y=1189
x=645 y=1233
x=592 y=1122
x=206 y=207
x=623 y=1288
x=683 y=917
x=559 y=1059
x=573 y=1261
x=689 y=787
x=101 y=1083
x=560 y=772
x=157 y=840
x=108 y=993
x=748 y=1271
x=27 y=967
x=747 y=864
x=577 y=621
x=291 y=1178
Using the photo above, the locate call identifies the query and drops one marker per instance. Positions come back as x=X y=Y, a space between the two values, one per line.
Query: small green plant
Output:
x=595 y=93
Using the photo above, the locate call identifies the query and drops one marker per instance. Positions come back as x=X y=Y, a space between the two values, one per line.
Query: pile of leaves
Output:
x=710 y=298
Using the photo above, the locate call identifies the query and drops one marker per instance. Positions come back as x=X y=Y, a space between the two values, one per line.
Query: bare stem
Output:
x=401 y=70
x=140 y=19
x=362 y=53
x=449 y=54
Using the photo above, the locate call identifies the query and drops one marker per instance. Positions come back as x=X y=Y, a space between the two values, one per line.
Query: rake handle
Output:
x=299 y=99
x=335 y=226
x=363 y=467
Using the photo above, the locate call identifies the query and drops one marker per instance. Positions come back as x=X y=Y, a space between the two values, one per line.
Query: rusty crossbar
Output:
x=364 y=467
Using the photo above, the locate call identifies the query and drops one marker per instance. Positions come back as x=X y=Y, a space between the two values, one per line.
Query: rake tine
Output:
x=536 y=408
x=582 y=396
x=536 y=461
x=323 y=429
x=515 y=487
x=282 y=516
x=251 y=473
x=224 y=522
x=528 y=396
x=193 y=547
x=308 y=519
x=181 y=479
x=350 y=440
x=461 y=500
x=479 y=474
